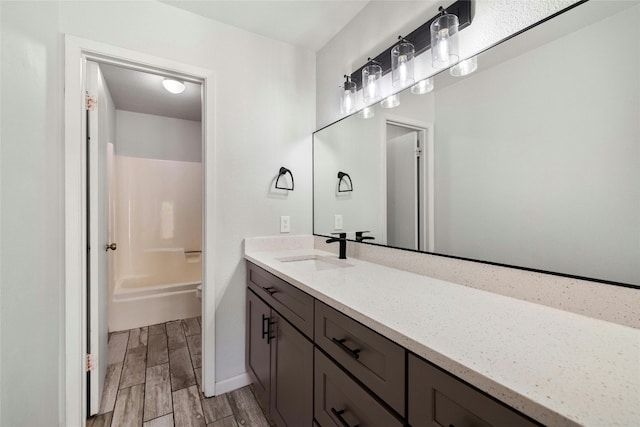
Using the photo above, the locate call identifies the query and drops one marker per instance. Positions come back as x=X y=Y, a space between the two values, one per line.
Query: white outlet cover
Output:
x=285 y=224
x=337 y=222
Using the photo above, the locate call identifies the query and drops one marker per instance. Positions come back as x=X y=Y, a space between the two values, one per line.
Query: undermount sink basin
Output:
x=316 y=262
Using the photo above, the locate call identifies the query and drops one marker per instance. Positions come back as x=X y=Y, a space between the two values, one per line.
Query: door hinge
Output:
x=90 y=102
x=418 y=152
x=90 y=366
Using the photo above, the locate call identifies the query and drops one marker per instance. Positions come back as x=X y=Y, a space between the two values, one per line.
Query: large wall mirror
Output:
x=531 y=161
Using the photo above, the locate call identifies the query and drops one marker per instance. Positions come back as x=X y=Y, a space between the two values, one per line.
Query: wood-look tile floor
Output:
x=153 y=380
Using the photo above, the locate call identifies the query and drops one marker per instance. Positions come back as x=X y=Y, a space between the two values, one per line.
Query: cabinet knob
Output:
x=111 y=246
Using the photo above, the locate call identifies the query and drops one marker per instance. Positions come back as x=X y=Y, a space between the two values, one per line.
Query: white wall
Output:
x=157 y=137
x=261 y=124
x=32 y=215
x=377 y=26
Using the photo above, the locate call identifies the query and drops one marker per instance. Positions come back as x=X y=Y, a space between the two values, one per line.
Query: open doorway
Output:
x=144 y=225
x=408 y=154
x=88 y=247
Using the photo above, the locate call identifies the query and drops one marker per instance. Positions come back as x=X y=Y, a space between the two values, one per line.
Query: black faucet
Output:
x=342 y=238
x=360 y=237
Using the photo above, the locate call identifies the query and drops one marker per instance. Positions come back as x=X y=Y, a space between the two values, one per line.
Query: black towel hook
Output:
x=284 y=171
x=341 y=176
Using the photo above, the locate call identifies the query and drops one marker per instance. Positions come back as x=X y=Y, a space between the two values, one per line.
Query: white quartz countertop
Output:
x=559 y=368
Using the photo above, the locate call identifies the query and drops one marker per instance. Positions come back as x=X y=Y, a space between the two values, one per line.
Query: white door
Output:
x=402 y=191
x=98 y=219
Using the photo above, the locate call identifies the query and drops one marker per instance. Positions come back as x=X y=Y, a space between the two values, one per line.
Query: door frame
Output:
x=426 y=176
x=77 y=51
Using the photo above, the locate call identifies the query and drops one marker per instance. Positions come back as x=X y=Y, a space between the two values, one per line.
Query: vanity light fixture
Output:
x=173 y=86
x=459 y=12
x=465 y=67
x=422 y=87
x=391 y=101
x=367 y=112
x=402 y=63
x=348 y=101
x=371 y=75
x=444 y=39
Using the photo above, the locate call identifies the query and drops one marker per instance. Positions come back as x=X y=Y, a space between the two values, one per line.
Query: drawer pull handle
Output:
x=266 y=328
x=353 y=352
x=338 y=415
x=270 y=290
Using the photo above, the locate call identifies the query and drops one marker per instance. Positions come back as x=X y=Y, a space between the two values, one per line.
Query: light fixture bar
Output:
x=420 y=37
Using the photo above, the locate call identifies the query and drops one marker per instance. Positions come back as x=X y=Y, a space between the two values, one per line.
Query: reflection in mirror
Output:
x=533 y=160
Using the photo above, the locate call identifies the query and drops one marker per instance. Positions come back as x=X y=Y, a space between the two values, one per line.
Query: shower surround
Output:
x=156 y=214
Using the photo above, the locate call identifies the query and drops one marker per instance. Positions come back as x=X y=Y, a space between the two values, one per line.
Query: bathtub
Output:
x=144 y=300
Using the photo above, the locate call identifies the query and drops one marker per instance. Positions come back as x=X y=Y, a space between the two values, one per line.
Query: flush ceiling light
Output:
x=402 y=63
x=371 y=75
x=391 y=101
x=348 y=100
x=444 y=40
x=422 y=87
x=465 y=67
x=174 y=86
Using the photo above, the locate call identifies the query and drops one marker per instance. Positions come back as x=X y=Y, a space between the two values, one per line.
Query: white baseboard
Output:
x=232 y=383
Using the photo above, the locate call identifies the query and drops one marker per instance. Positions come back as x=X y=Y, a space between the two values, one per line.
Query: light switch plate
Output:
x=285 y=224
x=337 y=222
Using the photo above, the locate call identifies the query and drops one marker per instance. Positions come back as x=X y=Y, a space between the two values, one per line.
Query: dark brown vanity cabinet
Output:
x=314 y=366
x=439 y=399
x=279 y=359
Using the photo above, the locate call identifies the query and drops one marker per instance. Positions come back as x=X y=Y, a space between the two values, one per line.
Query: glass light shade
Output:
x=371 y=75
x=391 y=101
x=173 y=86
x=422 y=87
x=367 y=112
x=348 y=101
x=402 y=64
x=444 y=40
x=465 y=67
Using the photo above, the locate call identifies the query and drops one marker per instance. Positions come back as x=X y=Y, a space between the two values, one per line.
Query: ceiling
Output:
x=306 y=23
x=143 y=93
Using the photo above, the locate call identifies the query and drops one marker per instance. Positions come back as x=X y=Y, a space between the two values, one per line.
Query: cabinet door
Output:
x=257 y=345
x=292 y=376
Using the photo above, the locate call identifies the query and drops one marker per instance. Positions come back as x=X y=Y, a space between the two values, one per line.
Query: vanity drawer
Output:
x=373 y=359
x=340 y=401
x=292 y=303
x=439 y=399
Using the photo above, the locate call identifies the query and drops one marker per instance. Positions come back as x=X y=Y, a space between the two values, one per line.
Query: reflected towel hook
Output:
x=284 y=171
x=341 y=176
